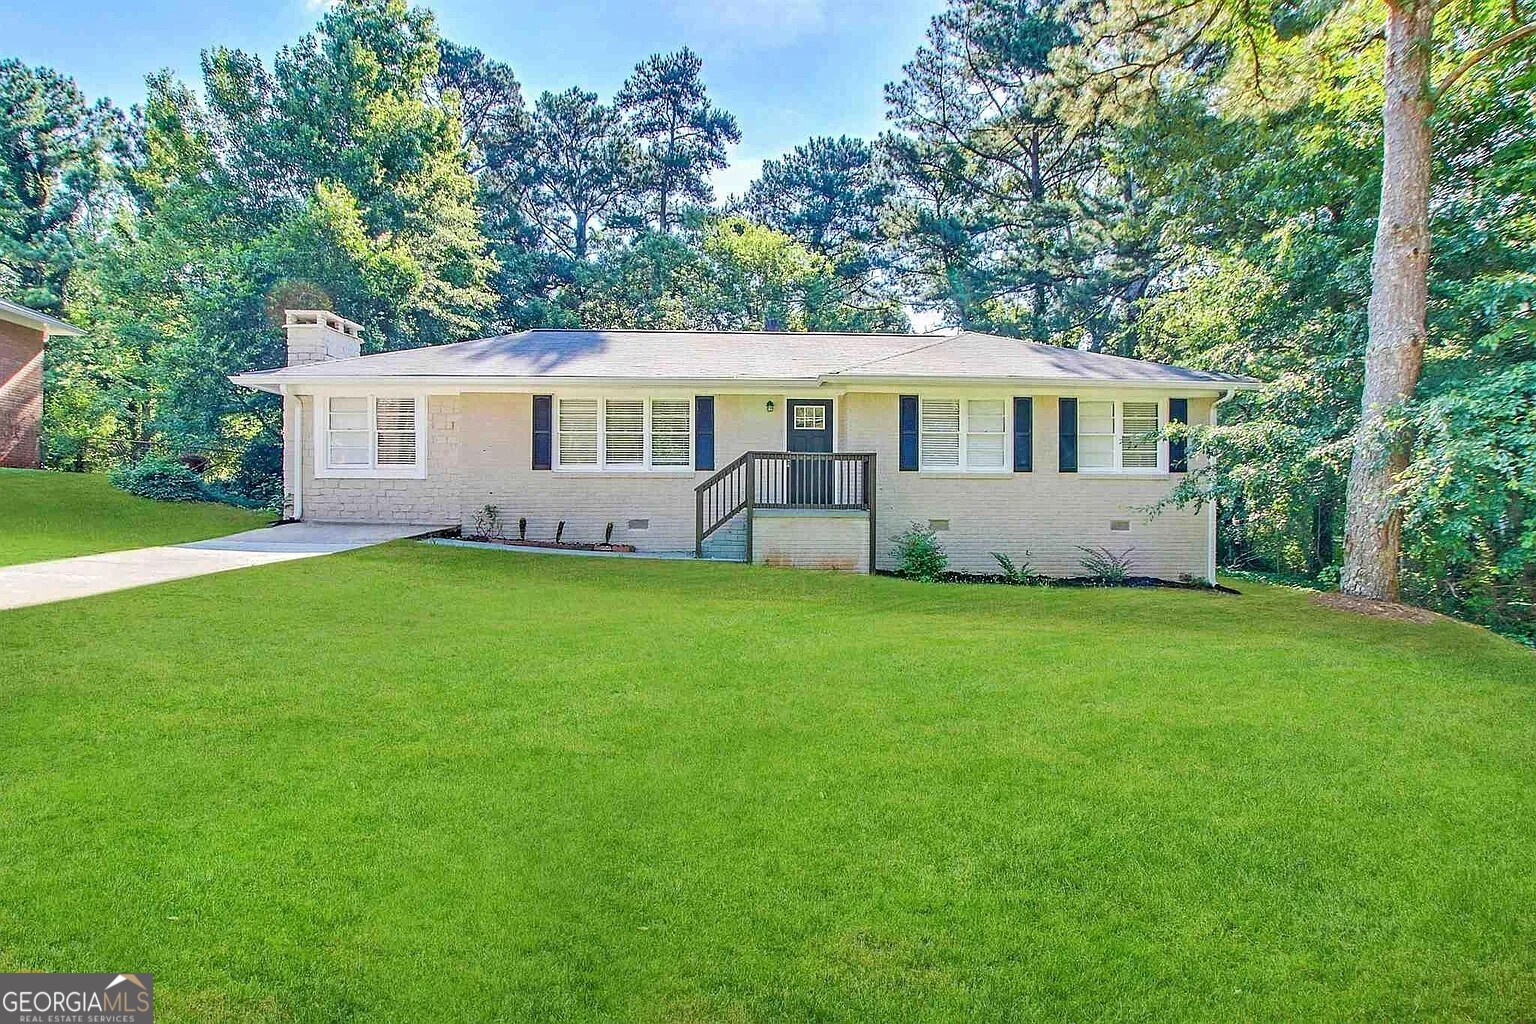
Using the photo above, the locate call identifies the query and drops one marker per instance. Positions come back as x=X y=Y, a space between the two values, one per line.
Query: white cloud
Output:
x=925 y=321
x=765 y=22
x=734 y=180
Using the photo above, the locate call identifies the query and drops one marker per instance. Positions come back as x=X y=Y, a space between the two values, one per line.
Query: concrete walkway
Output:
x=66 y=578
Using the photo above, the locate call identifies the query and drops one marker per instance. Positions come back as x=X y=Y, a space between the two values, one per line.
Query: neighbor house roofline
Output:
x=10 y=312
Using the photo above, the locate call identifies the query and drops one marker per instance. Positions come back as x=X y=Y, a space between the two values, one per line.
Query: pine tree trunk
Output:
x=1394 y=351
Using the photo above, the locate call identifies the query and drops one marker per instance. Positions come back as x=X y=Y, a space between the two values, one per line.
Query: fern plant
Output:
x=1106 y=568
x=1017 y=573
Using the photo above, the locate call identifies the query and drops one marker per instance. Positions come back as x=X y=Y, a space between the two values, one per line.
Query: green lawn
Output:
x=57 y=515
x=419 y=783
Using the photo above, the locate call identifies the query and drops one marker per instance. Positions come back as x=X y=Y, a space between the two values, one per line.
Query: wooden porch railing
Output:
x=786 y=480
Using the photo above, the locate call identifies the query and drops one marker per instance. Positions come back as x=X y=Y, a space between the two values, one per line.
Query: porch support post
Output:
x=751 y=500
x=870 y=482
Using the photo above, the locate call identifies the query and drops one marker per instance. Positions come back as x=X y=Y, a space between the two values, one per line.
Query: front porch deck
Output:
x=811 y=497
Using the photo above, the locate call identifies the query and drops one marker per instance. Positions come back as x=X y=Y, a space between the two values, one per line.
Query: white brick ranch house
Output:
x=782 y=448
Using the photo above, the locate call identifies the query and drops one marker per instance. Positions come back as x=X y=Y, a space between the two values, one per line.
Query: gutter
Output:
x=725 y=385
x=267 y=381
x=298 y=451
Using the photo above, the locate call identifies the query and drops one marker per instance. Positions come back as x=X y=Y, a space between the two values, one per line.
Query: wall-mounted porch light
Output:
x=770 y=405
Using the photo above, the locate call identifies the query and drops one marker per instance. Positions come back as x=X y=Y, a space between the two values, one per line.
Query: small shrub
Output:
x=214 y=491
x=488 y=521
x=608 y=534
x=159 y=477
x=1017 y=573
x=1107 y=568
x=522 y=527
x=559 y=530
x=258 y=477
x=919 y=555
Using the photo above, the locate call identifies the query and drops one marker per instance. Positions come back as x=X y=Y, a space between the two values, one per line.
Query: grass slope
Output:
x=419 y=783
x=57 y=515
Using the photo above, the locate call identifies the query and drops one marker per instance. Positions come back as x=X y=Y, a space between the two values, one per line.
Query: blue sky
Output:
x=787 y=69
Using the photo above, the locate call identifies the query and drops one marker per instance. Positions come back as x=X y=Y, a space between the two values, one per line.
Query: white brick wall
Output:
x=811 y=541
x=435 y=499
x=480 y=452
x=497 y=469
x=1044 y=512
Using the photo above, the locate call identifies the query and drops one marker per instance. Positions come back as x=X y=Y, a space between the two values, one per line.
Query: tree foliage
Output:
x=681 y=135
x=1195 y=182
x=53 y=163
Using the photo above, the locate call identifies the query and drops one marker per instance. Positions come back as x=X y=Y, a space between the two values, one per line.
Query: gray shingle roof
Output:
x=747 y=356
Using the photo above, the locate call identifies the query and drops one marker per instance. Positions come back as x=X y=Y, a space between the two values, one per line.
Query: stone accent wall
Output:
x=811 y=541
x=1045 y=512
x=435 y=499
x=21 y=394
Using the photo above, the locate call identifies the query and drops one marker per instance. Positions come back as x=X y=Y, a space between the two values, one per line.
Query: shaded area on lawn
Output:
x=420 y=782
x=46 y=515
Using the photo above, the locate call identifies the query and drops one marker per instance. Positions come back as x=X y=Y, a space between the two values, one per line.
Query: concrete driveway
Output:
x=66 y=578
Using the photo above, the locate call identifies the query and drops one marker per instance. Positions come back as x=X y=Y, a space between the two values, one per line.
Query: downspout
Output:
x=298 y=455
x=1211 y=523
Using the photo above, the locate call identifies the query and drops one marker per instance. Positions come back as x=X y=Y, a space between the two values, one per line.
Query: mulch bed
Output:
x=1378 y=609
x=564 y=545
x=1071 y=581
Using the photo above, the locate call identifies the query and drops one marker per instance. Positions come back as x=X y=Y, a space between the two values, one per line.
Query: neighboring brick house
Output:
x=23 y=334
x=784 y=448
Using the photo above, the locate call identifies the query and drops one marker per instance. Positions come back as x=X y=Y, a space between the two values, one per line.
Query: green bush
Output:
x=257 y=480
x=161 y=478
x=919 y=555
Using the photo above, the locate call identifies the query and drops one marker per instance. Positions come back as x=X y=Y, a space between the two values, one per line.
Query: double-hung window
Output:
x=963 y=435
x=1119 y=436
x=371 y=435
x=624 y=433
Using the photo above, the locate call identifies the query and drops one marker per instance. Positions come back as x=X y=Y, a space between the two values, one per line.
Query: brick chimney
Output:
x=315 y=336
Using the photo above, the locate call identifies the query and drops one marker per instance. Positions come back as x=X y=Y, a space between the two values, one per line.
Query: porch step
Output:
x=729 y=543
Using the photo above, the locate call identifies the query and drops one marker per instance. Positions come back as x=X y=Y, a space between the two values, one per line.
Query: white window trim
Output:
x=819 y=410
x=965 y=469
x=643 y=468
x=322 y=461
x=1119 y=469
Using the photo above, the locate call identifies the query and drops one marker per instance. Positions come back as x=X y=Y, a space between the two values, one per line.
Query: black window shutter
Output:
x=908 y=433
x=704 y=432
x=1178 y=450
x=543 y=435
x=1067 y=457
x=1023 y=435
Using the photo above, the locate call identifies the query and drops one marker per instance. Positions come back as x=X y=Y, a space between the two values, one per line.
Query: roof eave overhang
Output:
x=450 y=384
x=36 y=321
x=278 y=383
x=1064 y=384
